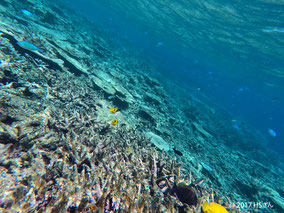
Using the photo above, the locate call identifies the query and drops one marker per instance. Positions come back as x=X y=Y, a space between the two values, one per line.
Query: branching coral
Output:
x=57 y=155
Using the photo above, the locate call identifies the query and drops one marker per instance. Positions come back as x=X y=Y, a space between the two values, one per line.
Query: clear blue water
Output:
x=231 y=51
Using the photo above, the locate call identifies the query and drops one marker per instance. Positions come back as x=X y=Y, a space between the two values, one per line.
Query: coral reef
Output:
x=57 y=155
x=60 y=153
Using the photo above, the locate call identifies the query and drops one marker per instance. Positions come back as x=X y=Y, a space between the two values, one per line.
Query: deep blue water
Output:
x=230 y=51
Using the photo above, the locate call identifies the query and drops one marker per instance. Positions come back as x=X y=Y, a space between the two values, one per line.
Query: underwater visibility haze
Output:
x=232 y=51
x=142 y=106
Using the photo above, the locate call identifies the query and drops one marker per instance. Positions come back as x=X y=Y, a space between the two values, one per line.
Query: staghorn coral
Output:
x=56 y=160
x=87 y=174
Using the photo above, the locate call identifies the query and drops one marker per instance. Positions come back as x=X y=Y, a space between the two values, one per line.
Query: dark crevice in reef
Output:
x=120 y=103
x=82 y=165
x=281 y=192
x=8 y=77
x=95 y=87
x=21 y=21
x=246 y=189
x=49 y=18
x=120 y=94
x=5 y=138
x=4 y=3
x=70 y=55
x=146 y=116
x=6 y=119
x=26 y=92
x=70 y=66
x=53 y=43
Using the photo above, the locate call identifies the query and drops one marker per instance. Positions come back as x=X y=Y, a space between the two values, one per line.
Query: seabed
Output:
x=59 y=151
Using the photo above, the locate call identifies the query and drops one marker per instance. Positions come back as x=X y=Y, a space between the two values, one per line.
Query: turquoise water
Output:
x=230 y=51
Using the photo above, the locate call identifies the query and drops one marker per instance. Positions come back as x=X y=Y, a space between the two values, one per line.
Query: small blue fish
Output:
x=244 y=89
x=272 y=132
x=274 y=29
x=159 y=44
x=27 y=13
x=237 y=127
x=28 y=46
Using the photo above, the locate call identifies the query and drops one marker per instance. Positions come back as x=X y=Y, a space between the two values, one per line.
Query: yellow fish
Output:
x=213 y=208
x=112 y=110
x=114 y=122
